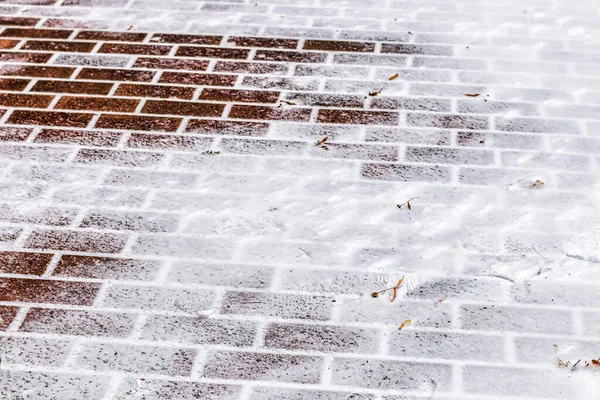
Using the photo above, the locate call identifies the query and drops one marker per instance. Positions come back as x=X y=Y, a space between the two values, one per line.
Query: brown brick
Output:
x=12 y=134
x=236 y=128
x=80 y=137
x=13 y=84
x=106 y=268
x=36 y=33
x=263 y=42
x=290 y=56
x=55 y=45
x=448 y=121
x=116 y=75
x=8 y=44
x=326 y=99
x=250 y=67
x=25 y=100
x=7 y=314
x=169 y=142
x=119 y=158
x=97 y=104
x=245 y=96
x=331 y=45
x=12 y=262
x=138 y=122
x=92 y=242
x=357 y=117
x=171 y=63
x=186 y=39
x=270 y=113
x=17 y=21
x=183 y=108
x=44 y=291
x=161 y=91
x=72 y=87
x=34 y=58
x=50 y=118
x=147 y=49
x=212 y=52
x=401 y=48
x=36 y=71
x=111 y=36
x=188 y=78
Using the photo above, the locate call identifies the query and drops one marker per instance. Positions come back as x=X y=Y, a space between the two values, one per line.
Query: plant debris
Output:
x=537 y=184
x=320 y=142
x=130 y=28
x=212 y=153
x=405 y=324
x=407 y=203
x=596 y=362
x=391 y=78
x=395 y=289
x=289 y=103
x=472 y=94
x=375 y=93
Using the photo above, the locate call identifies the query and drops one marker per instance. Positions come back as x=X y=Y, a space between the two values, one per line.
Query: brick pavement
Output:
x=169 y=229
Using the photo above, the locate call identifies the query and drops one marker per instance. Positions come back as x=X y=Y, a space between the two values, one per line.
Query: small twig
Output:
x=305 y=252
x=406 y=202
x=574 y=365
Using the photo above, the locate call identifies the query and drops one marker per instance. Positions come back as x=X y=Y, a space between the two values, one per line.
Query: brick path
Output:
x=170 y=230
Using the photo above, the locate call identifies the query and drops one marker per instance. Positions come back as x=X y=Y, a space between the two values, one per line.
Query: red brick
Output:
x=25 y=100
x=330 y=45
x=188 y=78
x=236 y=128
x=119 y=158
x=7 y=314
x=186 y=39
x=183 y=108
x=13 y=84
x=72 y=87
x=111 y=36
x=13 y=134
x=250 y=67
x=290 y=56
x=171 y=63
x=91 y=242
x=12 y=262
x=401 y=48
x=36 y=33
x=34 y=58
x=168 y=142
x=106 y=268
x=54 y=45
x=96 y=3
x=97 y=104
x=44 y=291
x=161 y=91
x=36 y=71
x=8 y=44
x=357 y=117
x=103 y=74
x=212 y=52
x=50 y=118
x=263 y=42
x=245 y=96
x=448 y=121
x=148 y=49
x=80 y=137
x=270 y=113
x=80 y=322
x=138 y=122
x=17 y=21
x=326 y=100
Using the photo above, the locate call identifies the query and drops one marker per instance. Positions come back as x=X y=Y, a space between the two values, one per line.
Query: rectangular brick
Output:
x=251 y=67
x=25 y=100
x=78 y=322
x=12 y=262
x=212 y=52
x=276 y=393
x=246 y=96
x=439 y=155
x=240 y=41
x=356 y=151
x=183 y=108
x=537 y=125
x=325 y=100
x=186 y=39
x=34 y=58
x=145 y=49
x=106 y=268
x=169 y=142
x=424 y=313
x=495 y=107
x=13 y=84
x=277 y=305
x=357 y=117
x=450 y=63
x=53 y=45
x=448 y=121
x=237 y=275
x=413 y=104
x=44 y=291
x=36 y=71
x=290 y=56
x=540 y=350
x=159 y=91
x=501 y=176
x=121 y=158
x=92 y=60
x=269 y=113
x=36 y=33
x=163 y=389
x=47 y=384
x=8 y=44
x=34 y=153
x=545 y=160
x=235 y=128
x=103 y=74
x=94 y=242
x=263 y=367
x=49 y=118
x=79 y=137
x=75 y=23
x=171 y=63
x=34 y=351
x=149 y=179
x=163 y=245
x=135 y=359
x=130 y=221
x=72 y=87
x=18 y=21
x=330 y=45
x=372 y=59
x=431 y=50
x=138 y=122
x=499 y=140
x=158 y=298
x=97 y=104
x=334 y=71
x=111 y=36
x=187 y=78
x=41 y=215
x=261 y=146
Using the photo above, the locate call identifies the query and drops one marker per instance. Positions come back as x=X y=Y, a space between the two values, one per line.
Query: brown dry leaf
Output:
x=560 y=362
x=408 y=205
x=472 y=94
x=320 y=142
x=395 y=289
x=596 y=363
x=391 y=78
x=289 y=103
x=587 y=364
x=375 y=294
x=375 y=93
x=536 y=184
x=555 y=345
x=405 y=324
x=130 y=28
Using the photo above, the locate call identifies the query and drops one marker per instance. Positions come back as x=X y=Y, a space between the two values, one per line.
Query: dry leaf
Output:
x=375 y=294
x=395 y=289
x=391 y=78
x=536 y=184
x=130 y=28
x=587 y=364
x=596 y=363
x=320 y=142
x=560 y=362
x=555 y=345
x=405 y=324
x=472 y=94
x=289 y=103
x=408 y=205
x=375 y=93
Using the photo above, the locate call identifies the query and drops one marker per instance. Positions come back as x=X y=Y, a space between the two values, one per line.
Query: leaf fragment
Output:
x=320 y=142
x=596 y=363
x=472 y=94
x=560 y=362
x=375 y=294
x=405 y=324
x=289 y=103
x=395 y=289
x=537 y=184
x=375 y=93
x=391 y=78
x=408 y=205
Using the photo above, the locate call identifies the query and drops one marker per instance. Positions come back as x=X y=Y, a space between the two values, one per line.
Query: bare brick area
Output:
x=299 y=200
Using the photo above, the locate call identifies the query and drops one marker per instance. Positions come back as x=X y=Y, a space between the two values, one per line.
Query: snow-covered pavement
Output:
x=298 y=200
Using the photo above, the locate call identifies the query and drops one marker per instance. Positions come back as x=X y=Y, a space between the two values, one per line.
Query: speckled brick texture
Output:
x=198 y=199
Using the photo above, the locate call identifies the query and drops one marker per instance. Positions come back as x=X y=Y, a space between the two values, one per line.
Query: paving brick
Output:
x=7 y=314
x=40 y=215
x=325 y=100
x=544 y=160
x=36 y=71
x=150 y=179
x=335 y=71
x=186 y=39
x=555 y=293
x=92 y=60
x=50 y=118
x=274 y=393
x=407 y=173
x=357 y=117
x=437 y=155
x=45 y=291
x=290 y=56
x=45 y=174
x=448 y=121
x=214 y=127
x=72 y=87
x=269 y=113
x=135 y=359
x=280 y=83
x=240 y=41
x=105 y=74
x=183 y=108
x=450 y=63
x=25 y=100
x=36 y=33
x=178 y=389
x=233 y=275
x=171 y=63
x=317 y=132
x=145 y=49
x=96 y=104
x=158 y=298
x=160 y=91
x=13 y=84
x=75 y=241
x=8 y=235
x=106 y=268
x=251 y=68
x=537 y=125
x=412 y=136
x=277 y=305
x=263 y=366
x=54 y=45
x=34 y=352
x=168 y=142
x=111 y=36
x=187 y=246
x=417 y=49
x=245 y=96
x=80 y=137
x=92 y=195
x=357 y=151
x=47 y=385
x=18 y=21
x=260 y=146
x=500 y=140
x=122 y=158
x=186 y=78
x=500 y=176
x=35 y=58
x=495 y=107
x=212 y=52
x=541 y=350
x=387 y=374
x=138 y=122
x=414 y=104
